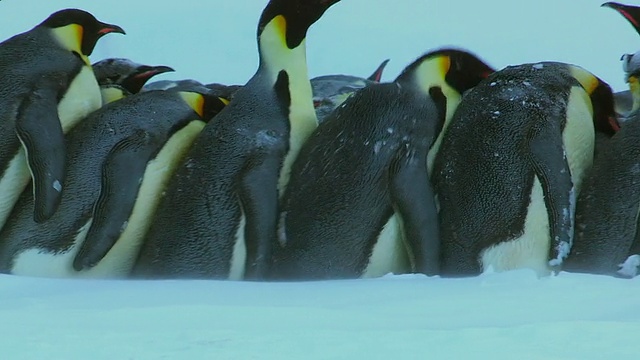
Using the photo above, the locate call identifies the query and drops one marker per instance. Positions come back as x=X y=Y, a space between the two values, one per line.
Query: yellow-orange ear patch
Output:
x=195 y=101
x=279 y=24
x=588 y=81
x=444 y=63
x=70 y=37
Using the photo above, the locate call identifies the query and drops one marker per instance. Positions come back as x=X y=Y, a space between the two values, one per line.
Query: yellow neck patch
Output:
x=588 y=81
x=194 y=100
x=634 y=87
x=70 y=37
x=432 y=71
x=110 y=94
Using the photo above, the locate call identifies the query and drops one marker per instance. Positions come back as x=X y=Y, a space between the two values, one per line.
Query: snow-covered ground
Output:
x=495 y=316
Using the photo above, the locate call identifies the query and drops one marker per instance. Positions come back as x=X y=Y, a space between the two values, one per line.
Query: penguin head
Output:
x=292 y=18
x=446 y=68
x=329 y=91
x=126 y=73
x=629 y=12
x=604 y=114
x=223 y=91
x=78 y=30
x=205 y=105
x=631 y=68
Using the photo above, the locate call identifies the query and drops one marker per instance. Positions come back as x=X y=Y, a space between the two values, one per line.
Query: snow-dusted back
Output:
x=495 y=316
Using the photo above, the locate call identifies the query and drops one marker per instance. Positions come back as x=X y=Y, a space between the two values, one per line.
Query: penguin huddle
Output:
x=454 y=168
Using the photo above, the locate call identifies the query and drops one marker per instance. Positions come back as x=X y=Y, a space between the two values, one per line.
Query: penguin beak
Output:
x=109 y=28
x=147 y=72
x=622 y=9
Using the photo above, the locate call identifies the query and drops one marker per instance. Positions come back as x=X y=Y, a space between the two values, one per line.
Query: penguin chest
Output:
x=578 y=136
x=81 y=98
x=239 y=255
x=389 y=253
x=531 y=250
x=15 y=178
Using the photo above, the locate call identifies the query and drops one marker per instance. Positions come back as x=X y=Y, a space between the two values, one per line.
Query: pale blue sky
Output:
x=213 y=41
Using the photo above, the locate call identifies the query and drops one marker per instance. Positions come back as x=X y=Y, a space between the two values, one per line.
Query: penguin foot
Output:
x=629 y=268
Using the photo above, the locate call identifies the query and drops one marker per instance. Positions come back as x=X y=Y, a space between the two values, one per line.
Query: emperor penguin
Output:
x=47 y=86
x=607 y=240
x=359 y=202
x=629 y=12
x=214 y=89
x=119 y=77
x=329 y=91
x=218 y=218
x=511 y=165
x=118 y=162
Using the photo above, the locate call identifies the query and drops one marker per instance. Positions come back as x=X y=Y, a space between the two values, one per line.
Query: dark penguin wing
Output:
x=547 y=157
x=258 y=196
x=413 y=198
x=258 y=193
x=40 y=132
x=122 y=174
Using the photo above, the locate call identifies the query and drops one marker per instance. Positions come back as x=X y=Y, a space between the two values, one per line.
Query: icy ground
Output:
x=495 y=316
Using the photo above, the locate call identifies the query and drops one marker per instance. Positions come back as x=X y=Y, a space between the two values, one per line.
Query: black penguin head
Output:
x=458 y=68
x=205 y=105
x=465 y=70
x=223 y=91
x=126 y=73
x=294 y=17
x=330 y=91
x=84 y=30
x=604 y=115
x=631 y=13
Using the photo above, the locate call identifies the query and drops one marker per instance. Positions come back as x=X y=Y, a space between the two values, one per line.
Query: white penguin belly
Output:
x=40 y=263
x=389 y=254
x=14 y=181
x=531 y=250
x=579 y=135
x=239 y=257
x=81 y=98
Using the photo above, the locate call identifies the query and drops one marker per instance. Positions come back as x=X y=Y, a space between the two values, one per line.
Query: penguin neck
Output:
x=431 y=73
x=70 y=37
x=111 y=93
x=634 y=87
x=276 y=56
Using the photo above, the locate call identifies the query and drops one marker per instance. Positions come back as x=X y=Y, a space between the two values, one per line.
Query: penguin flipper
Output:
x=549 y=162
x=39 y=129
x=259 y=198
x=413 y=198
x=122 y=174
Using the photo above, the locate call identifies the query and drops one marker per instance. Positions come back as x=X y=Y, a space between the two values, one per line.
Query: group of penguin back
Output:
x=452 y=169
